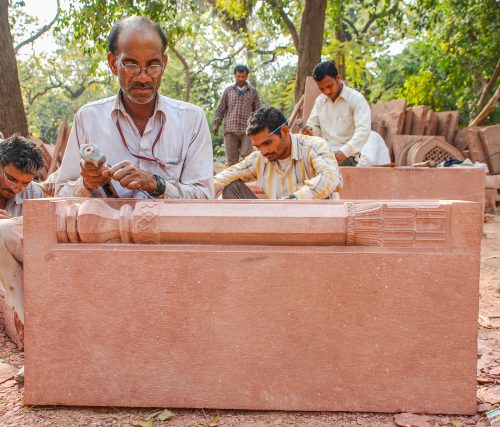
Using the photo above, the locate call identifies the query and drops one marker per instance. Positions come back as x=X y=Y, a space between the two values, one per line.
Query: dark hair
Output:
x=241 y=69
x=138 y=22
x=22 y=153
x=265 y=117
x=324 y=69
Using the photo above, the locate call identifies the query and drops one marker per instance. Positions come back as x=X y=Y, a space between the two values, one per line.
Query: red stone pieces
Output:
x=492 y=194
x=383 y=108
x=401 y=144
x=420 y=118
x=309 y=328
x=476 y=150
x=310 y=95
x=413 y=184
x=490 y=141
x=391 y=116
x=435 y=149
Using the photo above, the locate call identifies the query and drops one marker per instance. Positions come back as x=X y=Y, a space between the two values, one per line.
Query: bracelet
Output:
x=160 y=187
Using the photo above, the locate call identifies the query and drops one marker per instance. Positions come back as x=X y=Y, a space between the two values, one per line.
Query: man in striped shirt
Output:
x=286 y=166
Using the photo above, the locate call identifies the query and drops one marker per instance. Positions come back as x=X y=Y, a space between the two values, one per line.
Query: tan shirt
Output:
x=312 y=172
x=184 y=148
x=345 y=123
x=14 y=205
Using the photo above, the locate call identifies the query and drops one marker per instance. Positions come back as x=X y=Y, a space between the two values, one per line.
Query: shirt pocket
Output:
x=173 y=170
x=344 y=125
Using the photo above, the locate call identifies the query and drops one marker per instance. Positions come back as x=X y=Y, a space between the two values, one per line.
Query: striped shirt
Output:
x=312 y=173
x=14 y=205
x=236 y=106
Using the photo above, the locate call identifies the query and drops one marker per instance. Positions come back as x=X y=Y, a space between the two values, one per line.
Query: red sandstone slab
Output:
x=188 y=326
x=490 y=139
x=310 y=94
x=476 y=148
x=413 y=184
x=382 y=108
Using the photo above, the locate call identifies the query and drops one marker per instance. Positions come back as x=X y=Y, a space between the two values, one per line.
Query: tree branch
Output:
x=187 y=72
x=288 y=22
x=488 y=87
x=347 y=21
x=41 y=31
x=227 y=58
x=31 y=100
x=490 y=106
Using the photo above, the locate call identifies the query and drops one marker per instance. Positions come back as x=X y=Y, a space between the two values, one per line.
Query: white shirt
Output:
x=185 y=147
x=345 y=123
x=374 y=152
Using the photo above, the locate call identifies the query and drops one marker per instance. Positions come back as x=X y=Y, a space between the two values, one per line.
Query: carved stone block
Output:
x=435 y=149
x=266 y=305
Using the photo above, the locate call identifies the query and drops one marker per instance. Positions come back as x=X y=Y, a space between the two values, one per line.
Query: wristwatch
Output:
x=160 y=187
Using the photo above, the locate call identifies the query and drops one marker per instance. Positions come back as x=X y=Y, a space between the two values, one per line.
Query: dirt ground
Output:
x=14 y=413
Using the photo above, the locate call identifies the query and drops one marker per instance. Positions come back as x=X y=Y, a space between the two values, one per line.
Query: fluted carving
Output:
x=397 y=224
x=390 y=224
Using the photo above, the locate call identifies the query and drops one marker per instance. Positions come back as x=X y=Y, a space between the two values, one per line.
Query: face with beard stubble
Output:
x=138 y=48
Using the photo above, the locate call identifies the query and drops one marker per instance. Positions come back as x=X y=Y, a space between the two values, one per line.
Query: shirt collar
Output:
x=119 y=107
x=246 y=87
x=294 y=153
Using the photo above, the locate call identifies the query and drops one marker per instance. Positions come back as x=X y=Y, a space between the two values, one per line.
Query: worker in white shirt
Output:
x=342 y=117
x=155 y=146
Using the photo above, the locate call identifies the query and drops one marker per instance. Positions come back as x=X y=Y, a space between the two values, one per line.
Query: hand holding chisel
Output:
x=96 y=173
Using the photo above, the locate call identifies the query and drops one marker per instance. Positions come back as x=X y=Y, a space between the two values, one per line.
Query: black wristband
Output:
x=160 y=187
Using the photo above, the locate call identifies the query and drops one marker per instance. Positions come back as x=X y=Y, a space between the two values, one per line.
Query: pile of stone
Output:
x=419 y=134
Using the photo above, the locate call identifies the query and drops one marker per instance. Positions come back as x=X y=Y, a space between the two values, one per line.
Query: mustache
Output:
x=137 y=85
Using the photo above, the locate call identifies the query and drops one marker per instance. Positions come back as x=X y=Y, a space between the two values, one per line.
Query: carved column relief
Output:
x=389 y=224
x=397 y=224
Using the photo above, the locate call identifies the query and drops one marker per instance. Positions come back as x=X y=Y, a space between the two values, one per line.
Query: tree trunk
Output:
x=340 y=55
x=310 y=42
x=486 y=111
x=488 y=88
x=12 y=115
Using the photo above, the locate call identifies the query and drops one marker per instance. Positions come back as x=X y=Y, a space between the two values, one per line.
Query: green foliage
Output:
x=451 y=51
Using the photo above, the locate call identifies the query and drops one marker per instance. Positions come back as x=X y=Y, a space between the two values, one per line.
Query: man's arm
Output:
x=362 y=123
x=244 y=170
x=327 y=179
x=70 y=182
x=221 y=111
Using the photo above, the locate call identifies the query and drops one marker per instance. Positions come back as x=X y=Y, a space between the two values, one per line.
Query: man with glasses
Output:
x=155 y=147
x=20 y=161
x=285 y=166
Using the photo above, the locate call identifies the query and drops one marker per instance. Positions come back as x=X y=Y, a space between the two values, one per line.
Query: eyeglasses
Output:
x=12 y=181
x=133 y=70
x=279 y=127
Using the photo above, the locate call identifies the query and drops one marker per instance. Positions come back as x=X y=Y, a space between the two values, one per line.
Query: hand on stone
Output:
x=340 y=156
x=93 y=176
x=131 y=177
x=4 y=214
